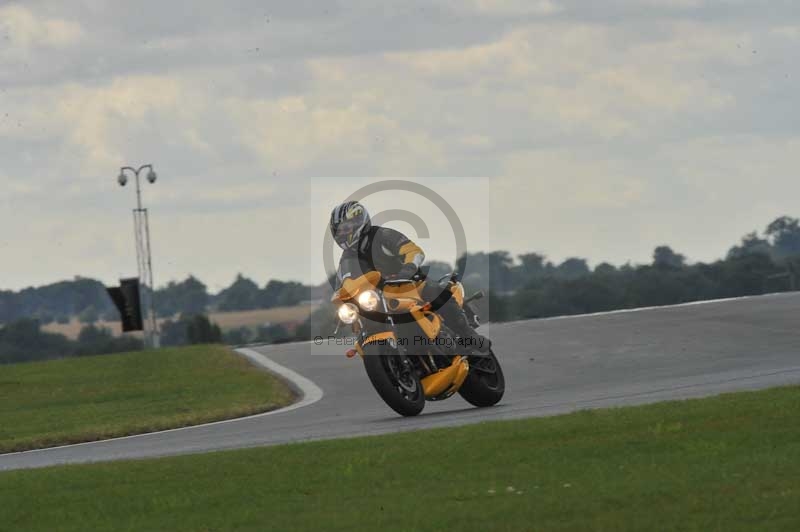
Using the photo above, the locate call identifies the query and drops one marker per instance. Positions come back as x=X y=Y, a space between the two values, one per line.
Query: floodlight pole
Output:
x=144 y=260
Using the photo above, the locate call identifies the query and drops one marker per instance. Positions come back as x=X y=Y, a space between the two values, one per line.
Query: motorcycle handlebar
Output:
x=399 y=281
x=419 y=276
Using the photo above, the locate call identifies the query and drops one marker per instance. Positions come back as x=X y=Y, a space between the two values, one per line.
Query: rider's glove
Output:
x=407 y=271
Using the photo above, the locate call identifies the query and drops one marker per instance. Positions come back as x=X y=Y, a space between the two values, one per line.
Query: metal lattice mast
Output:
x=148 y=262
x=144 y=262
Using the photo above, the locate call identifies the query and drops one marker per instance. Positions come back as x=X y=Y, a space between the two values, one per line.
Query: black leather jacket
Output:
x=381 y=249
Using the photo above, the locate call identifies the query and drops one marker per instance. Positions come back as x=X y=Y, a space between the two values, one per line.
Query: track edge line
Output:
x=310 y=393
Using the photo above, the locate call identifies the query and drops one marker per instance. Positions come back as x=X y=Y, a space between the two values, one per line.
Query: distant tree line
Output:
x=87 y=299
x=245 y=294
x=190 y=329
x=522 y=287
x=530 y=286
x=57 y=302
x=23 y=341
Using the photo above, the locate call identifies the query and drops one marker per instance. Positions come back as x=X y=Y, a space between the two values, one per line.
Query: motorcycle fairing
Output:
x=447 y=381
x=386 y=336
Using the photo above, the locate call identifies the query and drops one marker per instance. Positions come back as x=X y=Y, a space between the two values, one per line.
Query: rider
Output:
x=370 y=247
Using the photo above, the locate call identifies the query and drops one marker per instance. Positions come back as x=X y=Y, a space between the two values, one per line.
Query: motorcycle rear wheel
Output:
x=485 y=384
x=399 y=388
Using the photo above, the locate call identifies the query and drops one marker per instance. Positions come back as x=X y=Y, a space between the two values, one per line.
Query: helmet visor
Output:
x=349 y=232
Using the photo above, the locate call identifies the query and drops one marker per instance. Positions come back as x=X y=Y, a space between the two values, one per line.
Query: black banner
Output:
x=126 y=299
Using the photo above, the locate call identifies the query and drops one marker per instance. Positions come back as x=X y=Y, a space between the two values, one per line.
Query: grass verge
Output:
x=725 y=463
x=83 y=399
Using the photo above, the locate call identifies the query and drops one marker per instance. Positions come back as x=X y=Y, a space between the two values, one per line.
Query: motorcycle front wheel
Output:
x=399 y=386
x=485 y=384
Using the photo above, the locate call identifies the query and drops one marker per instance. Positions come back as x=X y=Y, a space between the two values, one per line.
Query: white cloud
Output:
x=25 y=30
x=297 y=134
x=558 y=178
x=509 y=7
x=581 y=76
x=101 y=118
x=604 y=131
x=788 y=32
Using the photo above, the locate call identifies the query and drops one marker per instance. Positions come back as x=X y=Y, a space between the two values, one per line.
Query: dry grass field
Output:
x=226 y=320
x=232 y=320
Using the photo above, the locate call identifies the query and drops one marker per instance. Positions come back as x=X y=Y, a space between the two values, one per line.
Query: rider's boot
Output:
x=456 y=319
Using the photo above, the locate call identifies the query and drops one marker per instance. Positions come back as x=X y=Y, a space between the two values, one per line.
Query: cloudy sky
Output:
x=597 y=129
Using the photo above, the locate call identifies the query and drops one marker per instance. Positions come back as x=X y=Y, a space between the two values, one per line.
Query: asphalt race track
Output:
x=552 y=366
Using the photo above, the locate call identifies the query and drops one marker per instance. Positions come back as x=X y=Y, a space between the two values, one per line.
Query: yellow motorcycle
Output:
x=409 y=353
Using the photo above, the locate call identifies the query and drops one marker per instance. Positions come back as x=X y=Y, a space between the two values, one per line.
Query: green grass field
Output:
x=727 y=463
x=89 y=398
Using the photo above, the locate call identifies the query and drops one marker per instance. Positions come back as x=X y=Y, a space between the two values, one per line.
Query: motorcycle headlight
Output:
x=368 y=300
x=348 y=313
